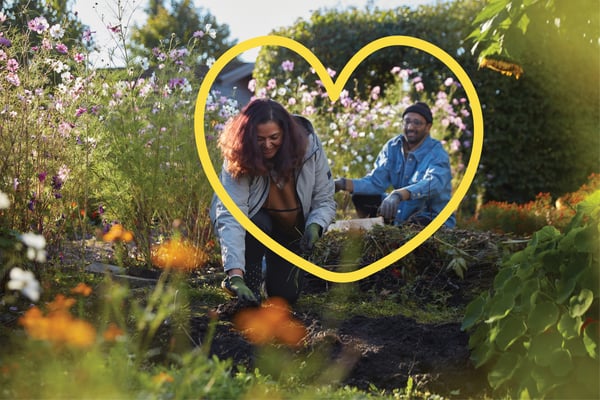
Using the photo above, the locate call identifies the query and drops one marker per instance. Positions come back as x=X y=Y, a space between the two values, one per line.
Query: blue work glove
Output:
x=389 y=206
x=311 y=235
x=235 y=286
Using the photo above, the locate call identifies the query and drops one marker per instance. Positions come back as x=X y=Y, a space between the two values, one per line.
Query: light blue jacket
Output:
x=425 y=173
x=314 y=186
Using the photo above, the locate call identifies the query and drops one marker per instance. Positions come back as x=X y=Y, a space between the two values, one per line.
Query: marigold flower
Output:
x=82 y=289
x=272 y=322
x=113 y=332
x=178 y=254
x=117 y=233
x=162 y=378
x=59 y=326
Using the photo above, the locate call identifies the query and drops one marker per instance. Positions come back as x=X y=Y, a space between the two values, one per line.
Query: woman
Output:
x=276 y=172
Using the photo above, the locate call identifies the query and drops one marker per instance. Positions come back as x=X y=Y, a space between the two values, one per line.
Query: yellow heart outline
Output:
x=334 y=91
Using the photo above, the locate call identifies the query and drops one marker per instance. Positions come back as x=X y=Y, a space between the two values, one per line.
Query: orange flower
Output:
x=162 y=378
x=59 y=326
x=178 y=254
x=272 y=322
x=118 y=233
x=61 y=303
x=82 y=289
x=113 y=332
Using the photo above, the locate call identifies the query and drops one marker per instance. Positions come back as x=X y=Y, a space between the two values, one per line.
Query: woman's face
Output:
x=269 y=138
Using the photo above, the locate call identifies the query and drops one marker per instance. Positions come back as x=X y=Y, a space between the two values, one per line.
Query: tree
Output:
x=176 y=25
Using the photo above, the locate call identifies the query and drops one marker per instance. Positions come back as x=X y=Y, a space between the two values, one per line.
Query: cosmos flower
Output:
x=38 y=24
x=35 y=246
x=4 y=201
x=25 y=282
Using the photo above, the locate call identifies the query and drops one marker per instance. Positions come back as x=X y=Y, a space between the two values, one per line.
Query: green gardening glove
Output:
x=310 y=236
x=235 y=285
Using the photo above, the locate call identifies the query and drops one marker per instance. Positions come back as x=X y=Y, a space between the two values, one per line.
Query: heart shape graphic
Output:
x=334 y=90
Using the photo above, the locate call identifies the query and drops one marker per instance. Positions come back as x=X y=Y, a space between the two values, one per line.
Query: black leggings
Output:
x=282 y=278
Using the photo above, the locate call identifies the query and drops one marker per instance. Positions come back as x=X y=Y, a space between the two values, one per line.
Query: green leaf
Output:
x=591 y=205
x=579 y=304
x=479 y=336
x=542 y=316
x=491 y=10
x=502 y=276
x=543 y=236
x=503 y=369
x=568 y=326
x=523 y=23
x=473 y=312
x=590 y=343
x=511 y=329
x=540 y=347
x=482 y=353
x=500 y=306
x=564 y=288
x=561 y=363
x=586 y=240
x=575 y=347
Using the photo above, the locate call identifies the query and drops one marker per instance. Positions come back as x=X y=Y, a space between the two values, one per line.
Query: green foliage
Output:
x=557 y=117
x=537 y=330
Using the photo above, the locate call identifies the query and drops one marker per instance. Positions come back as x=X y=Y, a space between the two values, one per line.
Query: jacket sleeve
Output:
x=379 y=179
x=231 y=235
x=323 y=205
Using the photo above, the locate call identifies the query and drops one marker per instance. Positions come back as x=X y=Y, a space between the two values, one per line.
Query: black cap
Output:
x=420 y=108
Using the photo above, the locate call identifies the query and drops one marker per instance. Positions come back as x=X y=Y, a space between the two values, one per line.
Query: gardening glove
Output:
x=235 y=286
x=310 y=236
x=340 y=184
x=389 y=206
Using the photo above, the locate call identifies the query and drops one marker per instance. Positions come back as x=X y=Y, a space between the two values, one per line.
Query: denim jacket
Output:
x=425 y=173
x=314 y=186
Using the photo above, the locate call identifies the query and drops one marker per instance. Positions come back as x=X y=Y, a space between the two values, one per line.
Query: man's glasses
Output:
x=415 y=122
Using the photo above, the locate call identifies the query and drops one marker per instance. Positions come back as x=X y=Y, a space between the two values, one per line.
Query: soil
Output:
x=376 y=352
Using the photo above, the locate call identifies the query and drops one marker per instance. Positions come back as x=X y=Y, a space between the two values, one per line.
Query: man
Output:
x=416 y=166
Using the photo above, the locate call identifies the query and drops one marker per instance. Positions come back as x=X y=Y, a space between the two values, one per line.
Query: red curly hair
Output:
x=239 y=141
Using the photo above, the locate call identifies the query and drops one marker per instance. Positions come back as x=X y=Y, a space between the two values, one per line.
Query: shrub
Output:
x=524 y=219
x=537 y=329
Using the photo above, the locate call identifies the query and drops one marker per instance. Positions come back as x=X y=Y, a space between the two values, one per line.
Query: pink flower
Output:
x=13 y=79
x=448 y=82
x=419 y=86
x=80 y=111
x=271 y=84
x=62 y=49
x=252 y=85
x=287 y=65
x=78 y=57
x=38 y=24
x=12 y=65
